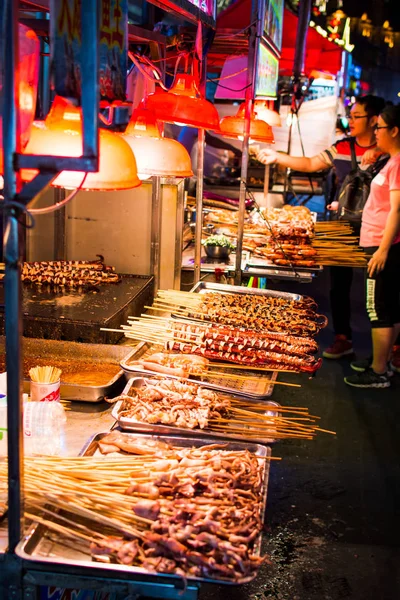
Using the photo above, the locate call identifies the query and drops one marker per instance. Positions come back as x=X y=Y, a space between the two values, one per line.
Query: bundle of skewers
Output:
x=194 y=512
x=276 y=336
x=336 y=245
x=238 y=346
x=289 y=237
x=68 y=273
x=184 y=405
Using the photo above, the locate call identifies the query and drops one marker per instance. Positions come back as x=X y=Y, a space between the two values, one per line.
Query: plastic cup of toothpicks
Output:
x=45 y=384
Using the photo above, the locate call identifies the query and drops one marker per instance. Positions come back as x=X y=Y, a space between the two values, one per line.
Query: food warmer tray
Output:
x=202 y=287
x=254 y=390
x=99 y=354
x=43 y=545
x=127 y=424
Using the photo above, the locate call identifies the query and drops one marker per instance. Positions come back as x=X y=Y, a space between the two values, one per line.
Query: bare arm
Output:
x=297 y=163
x=392 y=228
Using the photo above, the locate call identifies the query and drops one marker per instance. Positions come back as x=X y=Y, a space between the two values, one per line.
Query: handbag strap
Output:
x=354 y=164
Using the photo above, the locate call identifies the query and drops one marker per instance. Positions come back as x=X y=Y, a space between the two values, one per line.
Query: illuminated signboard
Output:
x=273 y=22
x=65 y=33
x=206 y=6
x=267 y=73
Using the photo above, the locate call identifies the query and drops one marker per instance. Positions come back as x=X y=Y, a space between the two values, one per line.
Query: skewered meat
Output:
x=175 y=364
x=261 y=358
x=212 y=534
x=171 y=402
x=69 y=273
x=136 y=446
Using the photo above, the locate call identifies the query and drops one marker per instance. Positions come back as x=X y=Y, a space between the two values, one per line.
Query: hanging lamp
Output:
x=233 y=127
x=183 y=104
x=61 y=135
x=155 y=155
x=264 y=113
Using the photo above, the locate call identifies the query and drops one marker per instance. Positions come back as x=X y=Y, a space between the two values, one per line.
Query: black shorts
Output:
x=383 y=291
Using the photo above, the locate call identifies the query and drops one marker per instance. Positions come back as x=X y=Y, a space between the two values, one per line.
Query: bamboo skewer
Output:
x=214 y=374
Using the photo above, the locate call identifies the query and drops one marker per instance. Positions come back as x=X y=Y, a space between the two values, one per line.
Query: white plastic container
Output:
x=43 y=428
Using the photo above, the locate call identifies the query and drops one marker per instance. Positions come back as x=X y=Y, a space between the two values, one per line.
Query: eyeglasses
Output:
x=381 y=127
x=353 y=117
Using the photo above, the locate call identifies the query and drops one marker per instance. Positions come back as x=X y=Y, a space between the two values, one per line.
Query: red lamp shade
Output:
x=143 y=122
x=61 y=135
x=155 y=155
x=183 y=104
x=266 y=114
x=28 y=69
x=233 y=127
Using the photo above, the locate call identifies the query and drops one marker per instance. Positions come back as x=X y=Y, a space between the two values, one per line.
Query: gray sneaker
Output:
x=362 y=365
x=368 y=379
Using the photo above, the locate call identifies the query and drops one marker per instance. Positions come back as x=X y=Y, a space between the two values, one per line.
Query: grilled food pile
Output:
x=288 y=237
x=69 y=273
x=172 y=402
x=179 y=404
x=194 y=512
x=204 y=511
x=271 y=332
x=281 y=236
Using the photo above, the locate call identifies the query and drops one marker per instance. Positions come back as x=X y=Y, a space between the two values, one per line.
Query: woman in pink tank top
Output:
x=380 y=237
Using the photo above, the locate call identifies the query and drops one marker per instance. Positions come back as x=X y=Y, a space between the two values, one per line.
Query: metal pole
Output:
x=90 y=82
x=199 y=205
x=242 y=190
x=13 y=292
x=155 y=231
x=301 y=38
x=255 y=30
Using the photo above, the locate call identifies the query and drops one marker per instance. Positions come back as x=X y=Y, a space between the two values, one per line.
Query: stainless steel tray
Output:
x=261 y=263
x=271 y=409
x=41 y=544
x=97 y=353
x=203 y=287
x=255 y=390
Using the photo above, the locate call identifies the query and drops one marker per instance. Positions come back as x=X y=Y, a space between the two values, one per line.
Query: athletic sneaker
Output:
x=362 y=365
x=340 y=347
x=368 y=379
x=395 y=362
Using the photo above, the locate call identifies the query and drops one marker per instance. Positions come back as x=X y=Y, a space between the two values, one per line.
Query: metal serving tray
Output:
x=128 y=424
x=203 y=287
x=99 y=354
x=255 y=390
x=261 y=263
x=45 y=546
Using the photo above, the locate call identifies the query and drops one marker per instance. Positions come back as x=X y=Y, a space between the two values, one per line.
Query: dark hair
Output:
x=391 y=116
x=373 y=105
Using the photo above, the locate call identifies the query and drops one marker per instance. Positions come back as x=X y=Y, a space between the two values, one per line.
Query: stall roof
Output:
x=321 y=54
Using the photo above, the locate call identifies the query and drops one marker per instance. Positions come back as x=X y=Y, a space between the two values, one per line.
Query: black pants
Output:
x=383 y=291
x=341 y=280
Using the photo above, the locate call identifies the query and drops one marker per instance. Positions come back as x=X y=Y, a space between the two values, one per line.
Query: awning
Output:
x=321 y=54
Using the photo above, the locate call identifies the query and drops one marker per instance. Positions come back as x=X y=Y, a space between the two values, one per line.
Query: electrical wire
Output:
x=225 y=87
x=50 y=209
x=229 y=76
x=143 y=71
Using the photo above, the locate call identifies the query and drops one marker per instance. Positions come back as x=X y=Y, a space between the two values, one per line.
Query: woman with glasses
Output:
x=362 y=121
x=380 y=237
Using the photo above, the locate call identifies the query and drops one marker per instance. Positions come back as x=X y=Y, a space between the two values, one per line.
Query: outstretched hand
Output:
x=267 y=156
